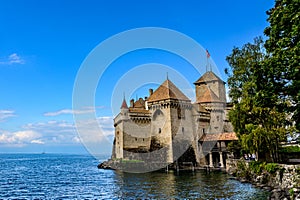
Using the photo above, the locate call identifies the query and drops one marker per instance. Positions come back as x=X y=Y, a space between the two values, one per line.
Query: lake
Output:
x=58 y=176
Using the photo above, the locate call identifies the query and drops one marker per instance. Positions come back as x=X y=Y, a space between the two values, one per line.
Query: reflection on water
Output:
x=199 y=185
x=54 y=176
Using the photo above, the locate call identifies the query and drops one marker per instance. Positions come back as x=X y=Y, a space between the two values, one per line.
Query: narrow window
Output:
x=159 y=130
x=180 y=113
x=135 y=139
x=203 y=130
x=182 y=129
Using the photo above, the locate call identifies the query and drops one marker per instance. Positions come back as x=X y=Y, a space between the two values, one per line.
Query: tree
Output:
x=257 y=120
x=264 y=82
x=283 y=48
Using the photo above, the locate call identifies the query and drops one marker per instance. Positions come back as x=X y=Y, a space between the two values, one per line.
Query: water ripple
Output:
x=55 y=176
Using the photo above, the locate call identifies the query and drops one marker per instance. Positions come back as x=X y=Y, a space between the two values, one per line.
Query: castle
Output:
x=167 y=127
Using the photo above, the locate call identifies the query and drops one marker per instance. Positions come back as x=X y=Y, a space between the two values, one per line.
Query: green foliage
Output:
x=260 y=125
x=272 y=167
x=241 y=165
x=243 y=170
x=264 y=83
x=283 y=48
x=256 y=167
x=234 y=147
x=290 y=149
x=292 y=193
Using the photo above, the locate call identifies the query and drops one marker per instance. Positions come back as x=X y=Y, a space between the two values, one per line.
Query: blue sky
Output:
x=43 y=44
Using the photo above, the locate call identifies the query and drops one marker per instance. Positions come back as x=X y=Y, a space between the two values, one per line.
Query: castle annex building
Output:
x=167 y=127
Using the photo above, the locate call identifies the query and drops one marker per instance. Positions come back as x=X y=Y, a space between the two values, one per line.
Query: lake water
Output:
x=55 y=176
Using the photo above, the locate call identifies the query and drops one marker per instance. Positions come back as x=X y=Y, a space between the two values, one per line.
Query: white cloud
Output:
x=12 y=59
x=51 y=127
x=85 y=110
x=63 y=132
x=68 y=111
x=37 y=142
x=4 y=114
x=59 y=133
x=19 y=138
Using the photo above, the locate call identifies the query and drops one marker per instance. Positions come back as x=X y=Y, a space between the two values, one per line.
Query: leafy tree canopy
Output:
x=283 y=48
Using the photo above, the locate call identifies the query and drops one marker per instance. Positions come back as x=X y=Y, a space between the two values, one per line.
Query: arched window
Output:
x=159 y=130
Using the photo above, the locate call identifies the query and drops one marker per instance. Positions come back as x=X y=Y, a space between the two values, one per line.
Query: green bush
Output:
x=256 y=166
x=292 y=193
x=272 y=167
x=290 y=149
x=241 y=165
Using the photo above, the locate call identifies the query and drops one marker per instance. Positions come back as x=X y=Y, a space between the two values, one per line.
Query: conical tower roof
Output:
x=124 y=104
x=167 y=90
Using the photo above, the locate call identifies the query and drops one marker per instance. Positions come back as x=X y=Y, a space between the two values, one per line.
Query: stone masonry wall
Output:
x=283 y=184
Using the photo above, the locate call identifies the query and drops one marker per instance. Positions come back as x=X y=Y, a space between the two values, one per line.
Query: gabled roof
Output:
x=219 y=137
x=208 y=96
x=208 y=77
x=167 y=90
x=124 y=104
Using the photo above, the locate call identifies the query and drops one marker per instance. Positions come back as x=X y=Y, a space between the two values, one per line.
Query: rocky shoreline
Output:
x=283 y=183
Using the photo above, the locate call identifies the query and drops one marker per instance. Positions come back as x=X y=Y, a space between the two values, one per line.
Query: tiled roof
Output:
x=219 y=137
x=124 y=104
x=208 y=96
x=167 y=90
x=138 y=110
x=140 y=103
x=208 y=77
x=139 y=107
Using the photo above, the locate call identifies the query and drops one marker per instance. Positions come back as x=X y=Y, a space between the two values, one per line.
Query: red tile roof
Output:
x=124 y=104
x=167 y=90
x=208 y=96
x=219 y=137
x=208 y=77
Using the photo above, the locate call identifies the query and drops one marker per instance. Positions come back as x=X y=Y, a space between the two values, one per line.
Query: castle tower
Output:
x=171 y=118
x=210 y=94
x=119 y=125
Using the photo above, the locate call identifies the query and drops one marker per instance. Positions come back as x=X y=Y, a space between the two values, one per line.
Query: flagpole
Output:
x=207 y=61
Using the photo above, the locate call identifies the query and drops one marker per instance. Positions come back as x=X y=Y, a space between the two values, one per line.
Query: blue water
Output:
x=54 y=176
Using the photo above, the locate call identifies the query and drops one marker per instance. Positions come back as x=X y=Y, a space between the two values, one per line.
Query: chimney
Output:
x=131 y=103
x=150 y=91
